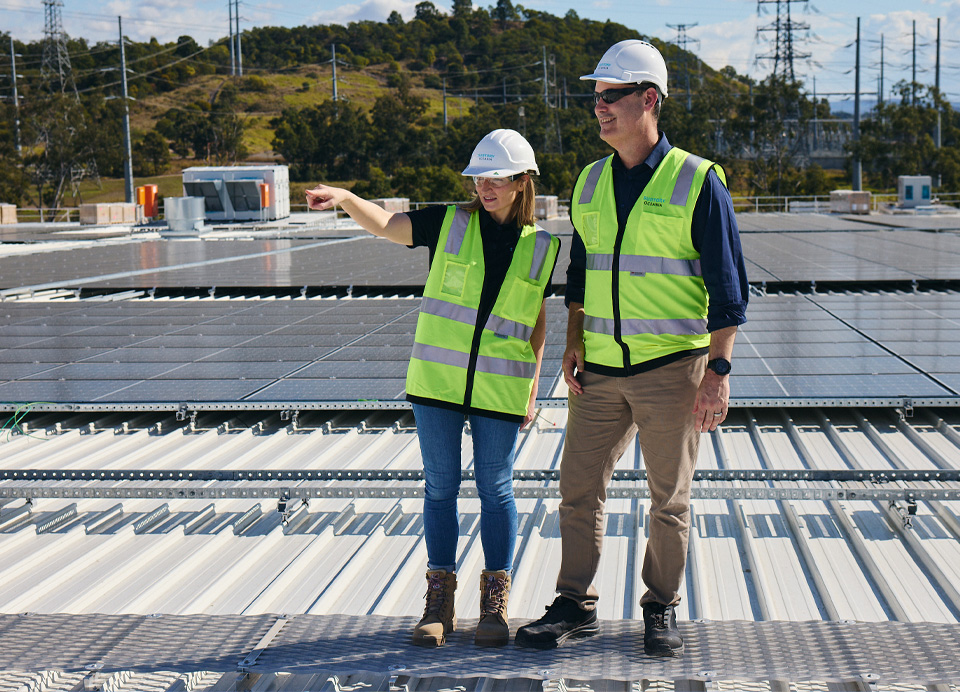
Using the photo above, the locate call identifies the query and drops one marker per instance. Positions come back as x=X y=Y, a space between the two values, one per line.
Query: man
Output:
x=655 y=291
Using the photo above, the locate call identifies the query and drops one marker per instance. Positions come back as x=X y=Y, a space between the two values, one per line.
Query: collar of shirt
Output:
x=500 y=234
x=651 y=162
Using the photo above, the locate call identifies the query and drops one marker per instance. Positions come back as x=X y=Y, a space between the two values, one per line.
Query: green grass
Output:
x=285 y=90
x=111 y=189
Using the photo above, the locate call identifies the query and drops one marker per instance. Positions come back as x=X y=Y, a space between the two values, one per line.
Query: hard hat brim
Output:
x=494 y=172
x=606 y=78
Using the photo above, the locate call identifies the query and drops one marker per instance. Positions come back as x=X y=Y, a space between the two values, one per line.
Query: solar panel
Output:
x=814 y=345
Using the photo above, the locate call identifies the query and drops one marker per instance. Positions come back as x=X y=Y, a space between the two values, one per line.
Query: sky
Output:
x=727 y=30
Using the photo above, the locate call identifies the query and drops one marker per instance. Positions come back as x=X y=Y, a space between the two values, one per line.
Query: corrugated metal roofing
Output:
x=797 y=579
x=754 y=560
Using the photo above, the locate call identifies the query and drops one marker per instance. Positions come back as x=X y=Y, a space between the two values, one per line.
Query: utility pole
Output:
x=545 y=76
x=333 y=63
x=913 y=78
x=880 y=93
x=233 y=55
x=128 y=150
x=236 y=16
x=857 y=170
x=16 y=99
x=546 y=104
x=937 y=86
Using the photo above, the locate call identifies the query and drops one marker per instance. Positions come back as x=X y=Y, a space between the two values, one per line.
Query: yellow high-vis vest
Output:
x=502 y=364
x=648 y=299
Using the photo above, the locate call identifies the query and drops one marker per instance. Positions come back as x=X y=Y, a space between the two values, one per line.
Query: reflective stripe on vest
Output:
x=540 y=250
x=488 y=364
x=632 y=327
x=458 y=231
x=460 y=313
x=504 y=328
x=643 y=264
x=452 y=311
x=590 y=185
x=685 y=179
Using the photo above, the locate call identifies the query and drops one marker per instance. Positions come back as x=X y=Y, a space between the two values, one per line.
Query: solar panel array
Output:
x=216 y=351
x=795 y=347
x=363 y=261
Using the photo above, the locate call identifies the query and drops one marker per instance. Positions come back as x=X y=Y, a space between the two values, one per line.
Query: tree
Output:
x=426 y=11
x=63 y=153
x=898 y=138
x=462 y=9
x=330 y=140
x=395 y=19
x=767 y=131
x=155 y=151
x=505 y=12
x=430 y=184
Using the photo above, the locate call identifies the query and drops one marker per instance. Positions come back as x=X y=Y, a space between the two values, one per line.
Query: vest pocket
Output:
x=522 y=302
x=591 y=229
x=454 y=278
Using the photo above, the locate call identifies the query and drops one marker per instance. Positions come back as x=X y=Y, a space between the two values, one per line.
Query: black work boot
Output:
x=661 y=637
x=564 y=619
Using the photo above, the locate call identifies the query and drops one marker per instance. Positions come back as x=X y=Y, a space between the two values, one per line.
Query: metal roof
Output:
x=756 y=560
x=169 y=547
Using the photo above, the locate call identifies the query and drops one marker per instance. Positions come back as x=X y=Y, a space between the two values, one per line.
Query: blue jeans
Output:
x=494 y=444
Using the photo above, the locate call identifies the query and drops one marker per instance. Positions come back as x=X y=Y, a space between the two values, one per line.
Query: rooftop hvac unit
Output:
x=240 y=193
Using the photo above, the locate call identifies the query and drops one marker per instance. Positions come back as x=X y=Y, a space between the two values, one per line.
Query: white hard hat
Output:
x=500 y=154
x=631 y=62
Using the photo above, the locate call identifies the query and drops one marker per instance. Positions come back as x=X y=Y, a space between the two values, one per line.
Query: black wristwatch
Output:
x=721 y=366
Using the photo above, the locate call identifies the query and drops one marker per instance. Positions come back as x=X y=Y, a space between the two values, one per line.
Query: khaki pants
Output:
x=658 y=406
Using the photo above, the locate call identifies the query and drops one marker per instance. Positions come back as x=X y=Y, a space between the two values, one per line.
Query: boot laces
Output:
x=436 y=593
x=660 y=619
x=494 y=596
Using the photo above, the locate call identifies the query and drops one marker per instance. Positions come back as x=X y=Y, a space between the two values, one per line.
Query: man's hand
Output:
x=713 y=397
x=572 y=365
x=573 y=356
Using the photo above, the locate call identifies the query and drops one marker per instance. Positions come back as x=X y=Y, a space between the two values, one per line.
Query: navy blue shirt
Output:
x=714 y=235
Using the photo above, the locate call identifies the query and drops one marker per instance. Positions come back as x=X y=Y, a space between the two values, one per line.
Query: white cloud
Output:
x=369 y=10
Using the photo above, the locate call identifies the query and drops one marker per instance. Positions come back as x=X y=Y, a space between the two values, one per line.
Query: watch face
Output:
x=721 y=366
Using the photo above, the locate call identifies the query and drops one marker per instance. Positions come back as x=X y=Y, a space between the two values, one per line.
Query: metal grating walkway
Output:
x=842 y=652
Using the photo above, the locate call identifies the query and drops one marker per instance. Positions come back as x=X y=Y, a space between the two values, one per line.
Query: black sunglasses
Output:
x=614 y=95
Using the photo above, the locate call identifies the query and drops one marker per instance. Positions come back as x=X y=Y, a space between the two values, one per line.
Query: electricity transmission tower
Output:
x=61 y=169
x=682 y=42
x=784 y=52
x=56 y=60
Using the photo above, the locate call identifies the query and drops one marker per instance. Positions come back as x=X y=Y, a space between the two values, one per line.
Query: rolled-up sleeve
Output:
x=716 y=237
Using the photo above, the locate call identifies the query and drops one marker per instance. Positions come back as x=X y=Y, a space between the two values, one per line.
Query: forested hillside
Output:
x=413 y=98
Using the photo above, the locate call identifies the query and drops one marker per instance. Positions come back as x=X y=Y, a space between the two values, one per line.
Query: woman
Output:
x=477 y=353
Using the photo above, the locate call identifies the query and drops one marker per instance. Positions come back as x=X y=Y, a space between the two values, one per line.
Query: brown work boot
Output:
x=438 y=617
x=493 y=629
